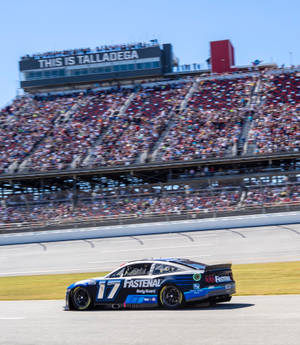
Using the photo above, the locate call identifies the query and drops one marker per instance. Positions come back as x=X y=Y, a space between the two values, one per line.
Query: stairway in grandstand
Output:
x=254 y=103
x=251 y=105
x=152 y=155
x=86 y=160
x=242 y=198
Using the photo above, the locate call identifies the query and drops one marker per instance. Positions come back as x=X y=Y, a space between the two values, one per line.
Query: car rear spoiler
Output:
x=218 y=267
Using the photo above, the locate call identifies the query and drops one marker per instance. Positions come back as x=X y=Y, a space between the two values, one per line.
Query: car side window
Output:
x=137 y=270
x=163 y=269
x=118 y=273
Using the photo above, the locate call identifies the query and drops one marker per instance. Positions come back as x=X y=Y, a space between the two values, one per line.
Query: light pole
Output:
x=291 y=58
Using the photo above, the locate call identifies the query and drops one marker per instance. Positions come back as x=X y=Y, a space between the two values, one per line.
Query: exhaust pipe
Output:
x=116 y=306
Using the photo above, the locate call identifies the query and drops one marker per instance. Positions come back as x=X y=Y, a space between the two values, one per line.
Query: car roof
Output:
x=181 y=261
x=189 y=264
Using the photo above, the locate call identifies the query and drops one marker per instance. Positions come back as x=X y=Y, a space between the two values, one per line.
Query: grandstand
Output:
x=99 y=143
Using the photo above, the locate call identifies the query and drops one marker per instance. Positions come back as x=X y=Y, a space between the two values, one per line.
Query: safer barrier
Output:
x=151 y=228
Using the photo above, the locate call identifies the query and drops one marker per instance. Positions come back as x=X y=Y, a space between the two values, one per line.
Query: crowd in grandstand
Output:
x=98 y=205
x=183 y=120
x=142 y=202
x=27 y=122
x=140 y=126
x=276 y=125
x=135 y=126
x=211 y=123
x=73 y=137
x=272 y=195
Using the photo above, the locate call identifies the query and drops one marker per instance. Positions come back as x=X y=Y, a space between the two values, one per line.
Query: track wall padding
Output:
x=151 y=228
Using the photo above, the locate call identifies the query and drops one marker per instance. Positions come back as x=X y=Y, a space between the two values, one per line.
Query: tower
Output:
x=221 y=56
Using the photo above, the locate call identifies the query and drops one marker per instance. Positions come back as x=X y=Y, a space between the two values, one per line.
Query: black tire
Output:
x=171 y=297
x=81 y=299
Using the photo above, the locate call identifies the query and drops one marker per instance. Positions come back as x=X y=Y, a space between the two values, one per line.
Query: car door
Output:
x=109 y=288
x=139 y=287
x=135 y=274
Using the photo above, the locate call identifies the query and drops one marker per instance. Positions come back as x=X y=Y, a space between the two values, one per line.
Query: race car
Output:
x=169 y=283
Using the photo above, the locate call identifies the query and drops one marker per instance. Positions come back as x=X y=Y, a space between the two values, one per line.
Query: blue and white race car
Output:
x=169 y=283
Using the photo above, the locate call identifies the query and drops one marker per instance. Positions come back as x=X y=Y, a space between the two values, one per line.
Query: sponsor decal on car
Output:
x=140 y=299
x=142 y=283
x=145 y=291
x=197 y=277
x=148 y=299
x=196 y=286
x=222 y=279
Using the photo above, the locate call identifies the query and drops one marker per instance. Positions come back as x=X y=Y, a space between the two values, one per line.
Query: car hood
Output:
x=84 y=282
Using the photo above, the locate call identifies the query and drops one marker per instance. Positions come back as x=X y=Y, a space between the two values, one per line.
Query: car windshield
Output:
x=117 y=273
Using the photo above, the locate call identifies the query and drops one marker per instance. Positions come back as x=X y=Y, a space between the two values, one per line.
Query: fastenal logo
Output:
x=197 y=277
x=142 y=283
x=222 y=279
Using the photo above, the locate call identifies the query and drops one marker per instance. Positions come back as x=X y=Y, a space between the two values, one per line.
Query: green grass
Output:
x=252 y=279
x=267 y=278
x=39 y=286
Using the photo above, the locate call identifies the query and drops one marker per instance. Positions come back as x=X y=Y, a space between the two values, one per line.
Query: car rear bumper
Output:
x=210 y=291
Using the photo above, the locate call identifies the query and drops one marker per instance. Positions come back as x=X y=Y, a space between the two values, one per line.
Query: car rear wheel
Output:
x=81 y=299
x=171 y=297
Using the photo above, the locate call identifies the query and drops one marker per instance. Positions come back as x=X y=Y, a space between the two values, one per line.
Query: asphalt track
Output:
x=247 y=320
x=245 y=245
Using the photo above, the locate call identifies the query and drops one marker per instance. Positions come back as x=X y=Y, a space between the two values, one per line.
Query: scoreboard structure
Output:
x=38 y=72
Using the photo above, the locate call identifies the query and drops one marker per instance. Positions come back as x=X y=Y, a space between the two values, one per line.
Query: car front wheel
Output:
x=81 y=299
x=171 y=297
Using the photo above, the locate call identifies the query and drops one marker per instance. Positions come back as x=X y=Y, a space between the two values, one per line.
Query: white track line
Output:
x=189 y=256
x=66 y=270
x=46 y=271
x=154 y=248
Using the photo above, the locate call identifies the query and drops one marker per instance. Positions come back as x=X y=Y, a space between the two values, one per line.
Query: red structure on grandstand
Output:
x=221 y=56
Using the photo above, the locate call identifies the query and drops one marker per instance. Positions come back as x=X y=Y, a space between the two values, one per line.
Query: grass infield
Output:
x=251 y=279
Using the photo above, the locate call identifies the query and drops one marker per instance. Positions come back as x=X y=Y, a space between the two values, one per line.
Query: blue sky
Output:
x=268 y=30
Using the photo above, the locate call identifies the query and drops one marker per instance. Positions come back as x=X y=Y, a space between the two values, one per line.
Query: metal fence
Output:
x=82 y=222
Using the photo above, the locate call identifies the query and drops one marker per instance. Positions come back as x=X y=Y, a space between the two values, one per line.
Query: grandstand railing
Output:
x=291 y=69
x=79 y=222
x=158 y=164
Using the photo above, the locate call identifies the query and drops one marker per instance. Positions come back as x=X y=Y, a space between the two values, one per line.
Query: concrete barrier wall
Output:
x=151 y=228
